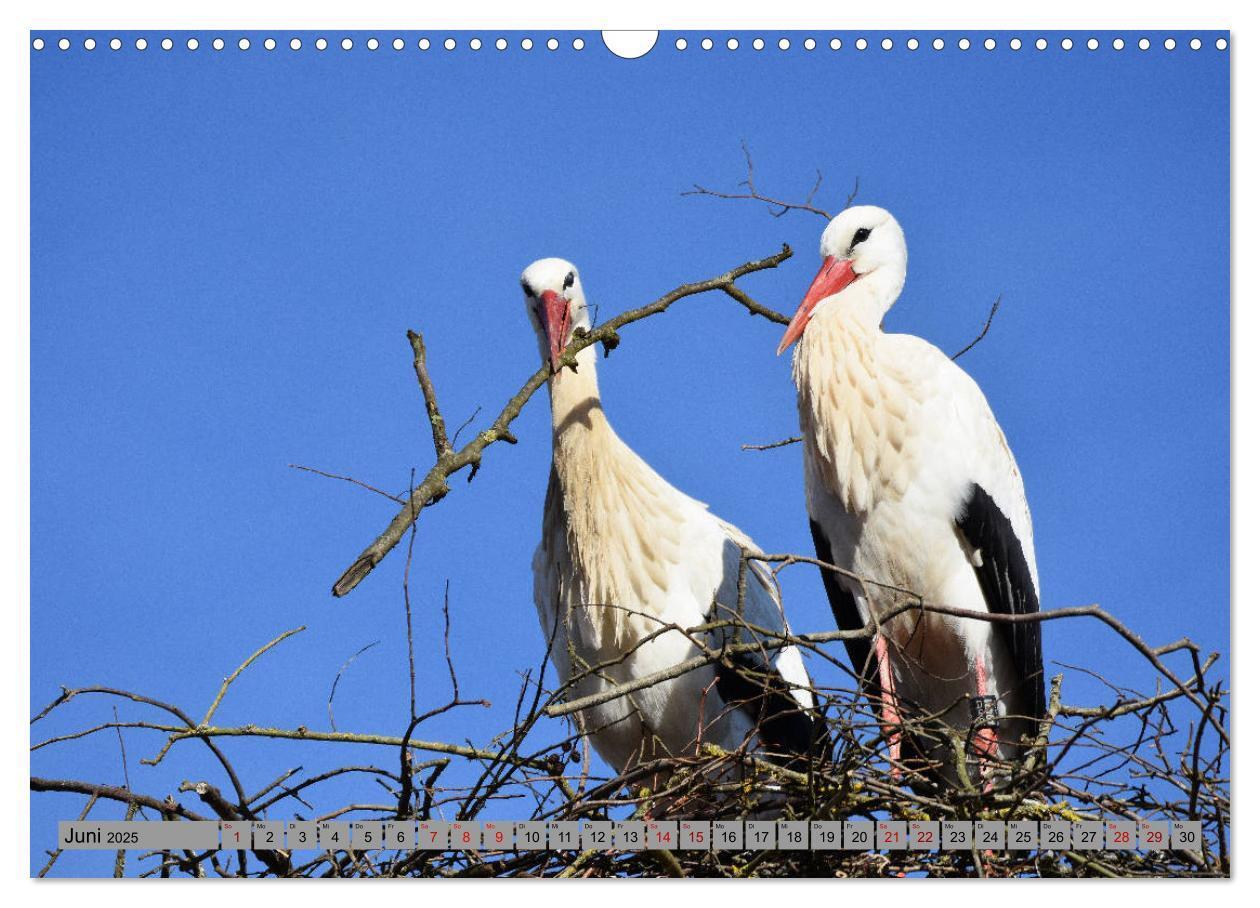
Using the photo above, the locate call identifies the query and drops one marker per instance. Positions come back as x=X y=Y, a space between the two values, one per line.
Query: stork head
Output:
x=556 y=305
x=863 y=244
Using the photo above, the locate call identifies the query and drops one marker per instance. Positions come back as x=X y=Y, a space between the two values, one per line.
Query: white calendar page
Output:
x=344 y=564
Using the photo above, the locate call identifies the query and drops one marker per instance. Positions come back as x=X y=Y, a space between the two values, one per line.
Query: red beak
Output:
x=834 y=275
x=555 y=317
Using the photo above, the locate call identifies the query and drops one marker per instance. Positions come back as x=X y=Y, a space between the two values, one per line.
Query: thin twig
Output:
x=349 y=479
x=464 y=425
x=776 y=207
x=53 y=855
x=411 y=648
x=795 y=439
x=254 y=657
x=332 y=722
x=983 y=331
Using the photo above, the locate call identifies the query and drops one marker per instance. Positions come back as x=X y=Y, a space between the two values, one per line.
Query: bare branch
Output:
x=332 y=692
x=53 y=855
x=754 y=307
x=349 y=479
x=983 y=331
x=441 y=447
x=434 y=486
x=776 y=207
x=795 y=439
x=292 y=734
x=848 y=202
x=464 y=425
x=167 y=808
x=406 y=585
x=254 y=657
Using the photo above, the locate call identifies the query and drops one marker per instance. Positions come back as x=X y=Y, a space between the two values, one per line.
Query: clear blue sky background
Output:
x=227 y=249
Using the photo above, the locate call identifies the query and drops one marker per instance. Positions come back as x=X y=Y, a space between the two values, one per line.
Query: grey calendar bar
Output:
x=155 y=835
x=635 y=835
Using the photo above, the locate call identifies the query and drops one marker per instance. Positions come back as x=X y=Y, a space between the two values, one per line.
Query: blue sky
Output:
x=227 y=249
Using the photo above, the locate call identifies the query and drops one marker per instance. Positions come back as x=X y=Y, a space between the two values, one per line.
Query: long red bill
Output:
x=555 y=318
x=834 y=275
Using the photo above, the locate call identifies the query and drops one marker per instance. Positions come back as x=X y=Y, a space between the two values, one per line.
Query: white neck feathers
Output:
x=575 y=403
x=623 y=522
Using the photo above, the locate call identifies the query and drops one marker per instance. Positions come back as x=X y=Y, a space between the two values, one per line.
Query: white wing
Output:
x=968 y=446
x=762 y=607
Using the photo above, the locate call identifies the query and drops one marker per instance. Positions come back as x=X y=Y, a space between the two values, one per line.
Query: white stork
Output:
x=909 y=482
x=623 y=555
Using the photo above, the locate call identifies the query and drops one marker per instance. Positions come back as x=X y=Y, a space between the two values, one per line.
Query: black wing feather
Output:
x=761 y=692
x=1008 y=590
x=848 y=618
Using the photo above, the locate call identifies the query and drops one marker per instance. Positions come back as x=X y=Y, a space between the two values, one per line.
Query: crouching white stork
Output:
x=624 y=556
x=909 y=483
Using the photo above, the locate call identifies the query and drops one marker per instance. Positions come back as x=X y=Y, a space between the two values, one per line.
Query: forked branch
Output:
x=434 y=487
x=776 y=207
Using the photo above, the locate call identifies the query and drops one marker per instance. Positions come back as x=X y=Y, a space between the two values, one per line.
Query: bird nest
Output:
x=1157 y=756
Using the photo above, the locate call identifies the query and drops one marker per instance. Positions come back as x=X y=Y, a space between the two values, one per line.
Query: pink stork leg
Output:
x=889 y=717
x=984 y=740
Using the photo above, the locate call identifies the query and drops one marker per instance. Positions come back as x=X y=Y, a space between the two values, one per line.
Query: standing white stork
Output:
x=624 y=555
x=909 y=482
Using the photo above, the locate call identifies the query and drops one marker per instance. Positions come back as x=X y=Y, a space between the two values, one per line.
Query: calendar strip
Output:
x=635 y=835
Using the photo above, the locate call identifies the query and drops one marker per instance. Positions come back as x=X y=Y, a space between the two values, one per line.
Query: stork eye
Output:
x=568 y=280
x=528 y=292
x=860 y=237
